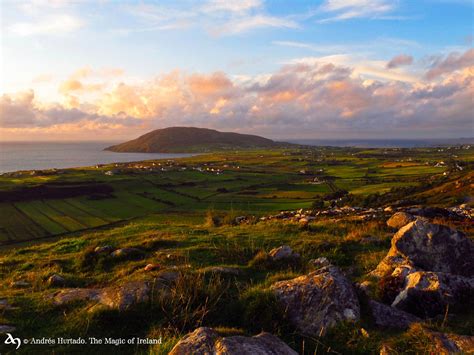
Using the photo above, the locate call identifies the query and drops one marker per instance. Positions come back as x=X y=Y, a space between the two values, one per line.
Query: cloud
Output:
x=400 y=60
x=452 y=62
x=21 y=111
x=50 y=25
x=217 y=17
x=232 y=6
x=349 y=9
x=308 y=98
x=245 y=24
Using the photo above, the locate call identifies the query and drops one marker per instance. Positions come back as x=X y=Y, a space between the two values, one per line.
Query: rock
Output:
x=20 y=284
x=56 y=281
x=222 y=270
x=120 y=297
x=240 y=219
x=303 y=221
x=106 y=249
x=320 y=262
x=125 y=296
x=431 y=247
x=364 y=287
x=127 y=253
x=283 y=252
x=6 y=328
x=427 y=294
x=390 y=317
x=204 y=341
x=318 y=301
x=5 y=306
x=386 y=350
x=169 y=275
x=400 y=219
x=152 y=267
x=430 y=212
x=443 y=343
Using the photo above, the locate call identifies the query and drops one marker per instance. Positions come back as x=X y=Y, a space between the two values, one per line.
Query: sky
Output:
x=336 y=69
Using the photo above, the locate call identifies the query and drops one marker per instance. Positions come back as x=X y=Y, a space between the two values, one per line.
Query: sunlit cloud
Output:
x=324 y=96
x=400 y=60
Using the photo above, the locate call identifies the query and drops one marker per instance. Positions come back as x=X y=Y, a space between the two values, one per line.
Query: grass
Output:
x=179 y=219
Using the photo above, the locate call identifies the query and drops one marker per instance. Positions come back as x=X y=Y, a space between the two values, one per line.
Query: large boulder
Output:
x=318 y=301
x=390 y=317
x=427 y=294
x=400 y=219
x=447 y=343
x=204 y=341
x=430 y=247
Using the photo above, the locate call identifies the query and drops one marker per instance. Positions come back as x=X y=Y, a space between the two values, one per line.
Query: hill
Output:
x=190 y=139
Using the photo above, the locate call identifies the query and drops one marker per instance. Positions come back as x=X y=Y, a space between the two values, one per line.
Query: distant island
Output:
x=191 y=139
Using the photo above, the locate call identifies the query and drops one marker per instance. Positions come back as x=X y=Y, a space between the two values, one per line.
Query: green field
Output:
x=254 y=181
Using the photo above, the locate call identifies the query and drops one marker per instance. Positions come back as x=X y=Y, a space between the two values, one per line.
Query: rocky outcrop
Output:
x=429 y=293
x=205 y=341
x=430 y=247
x=121 y=297
x=400 y=219
x=318 y=301
x=389 y=317
x=428 y=268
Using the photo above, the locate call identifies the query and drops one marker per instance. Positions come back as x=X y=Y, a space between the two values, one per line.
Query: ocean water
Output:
x=16 y=156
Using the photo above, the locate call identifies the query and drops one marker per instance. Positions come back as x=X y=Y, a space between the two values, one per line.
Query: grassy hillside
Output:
x=190 y=139
x=180 y=217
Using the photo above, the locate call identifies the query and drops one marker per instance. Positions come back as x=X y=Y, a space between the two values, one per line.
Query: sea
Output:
x=16 y=156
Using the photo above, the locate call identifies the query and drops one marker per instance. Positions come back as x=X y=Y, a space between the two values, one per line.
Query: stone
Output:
x=152 y=267
x=125 y=296
x=400 y=219
x=6 y=328
x=427 y=294
x=122 y=297
x=204 y=341
x=431 y=247
x=106 y=249
x=320 y=262
x=446 y=343
x=56 y=280
x=303 y=221
x=20 y=284
x=5 y=306
x=389 y=317
x=127 y=253
x=222 y=270
x=318 y=301
x=388 y=209
x=283 y=252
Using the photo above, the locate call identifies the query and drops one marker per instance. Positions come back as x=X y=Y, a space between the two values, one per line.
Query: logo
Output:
x=11 y=340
